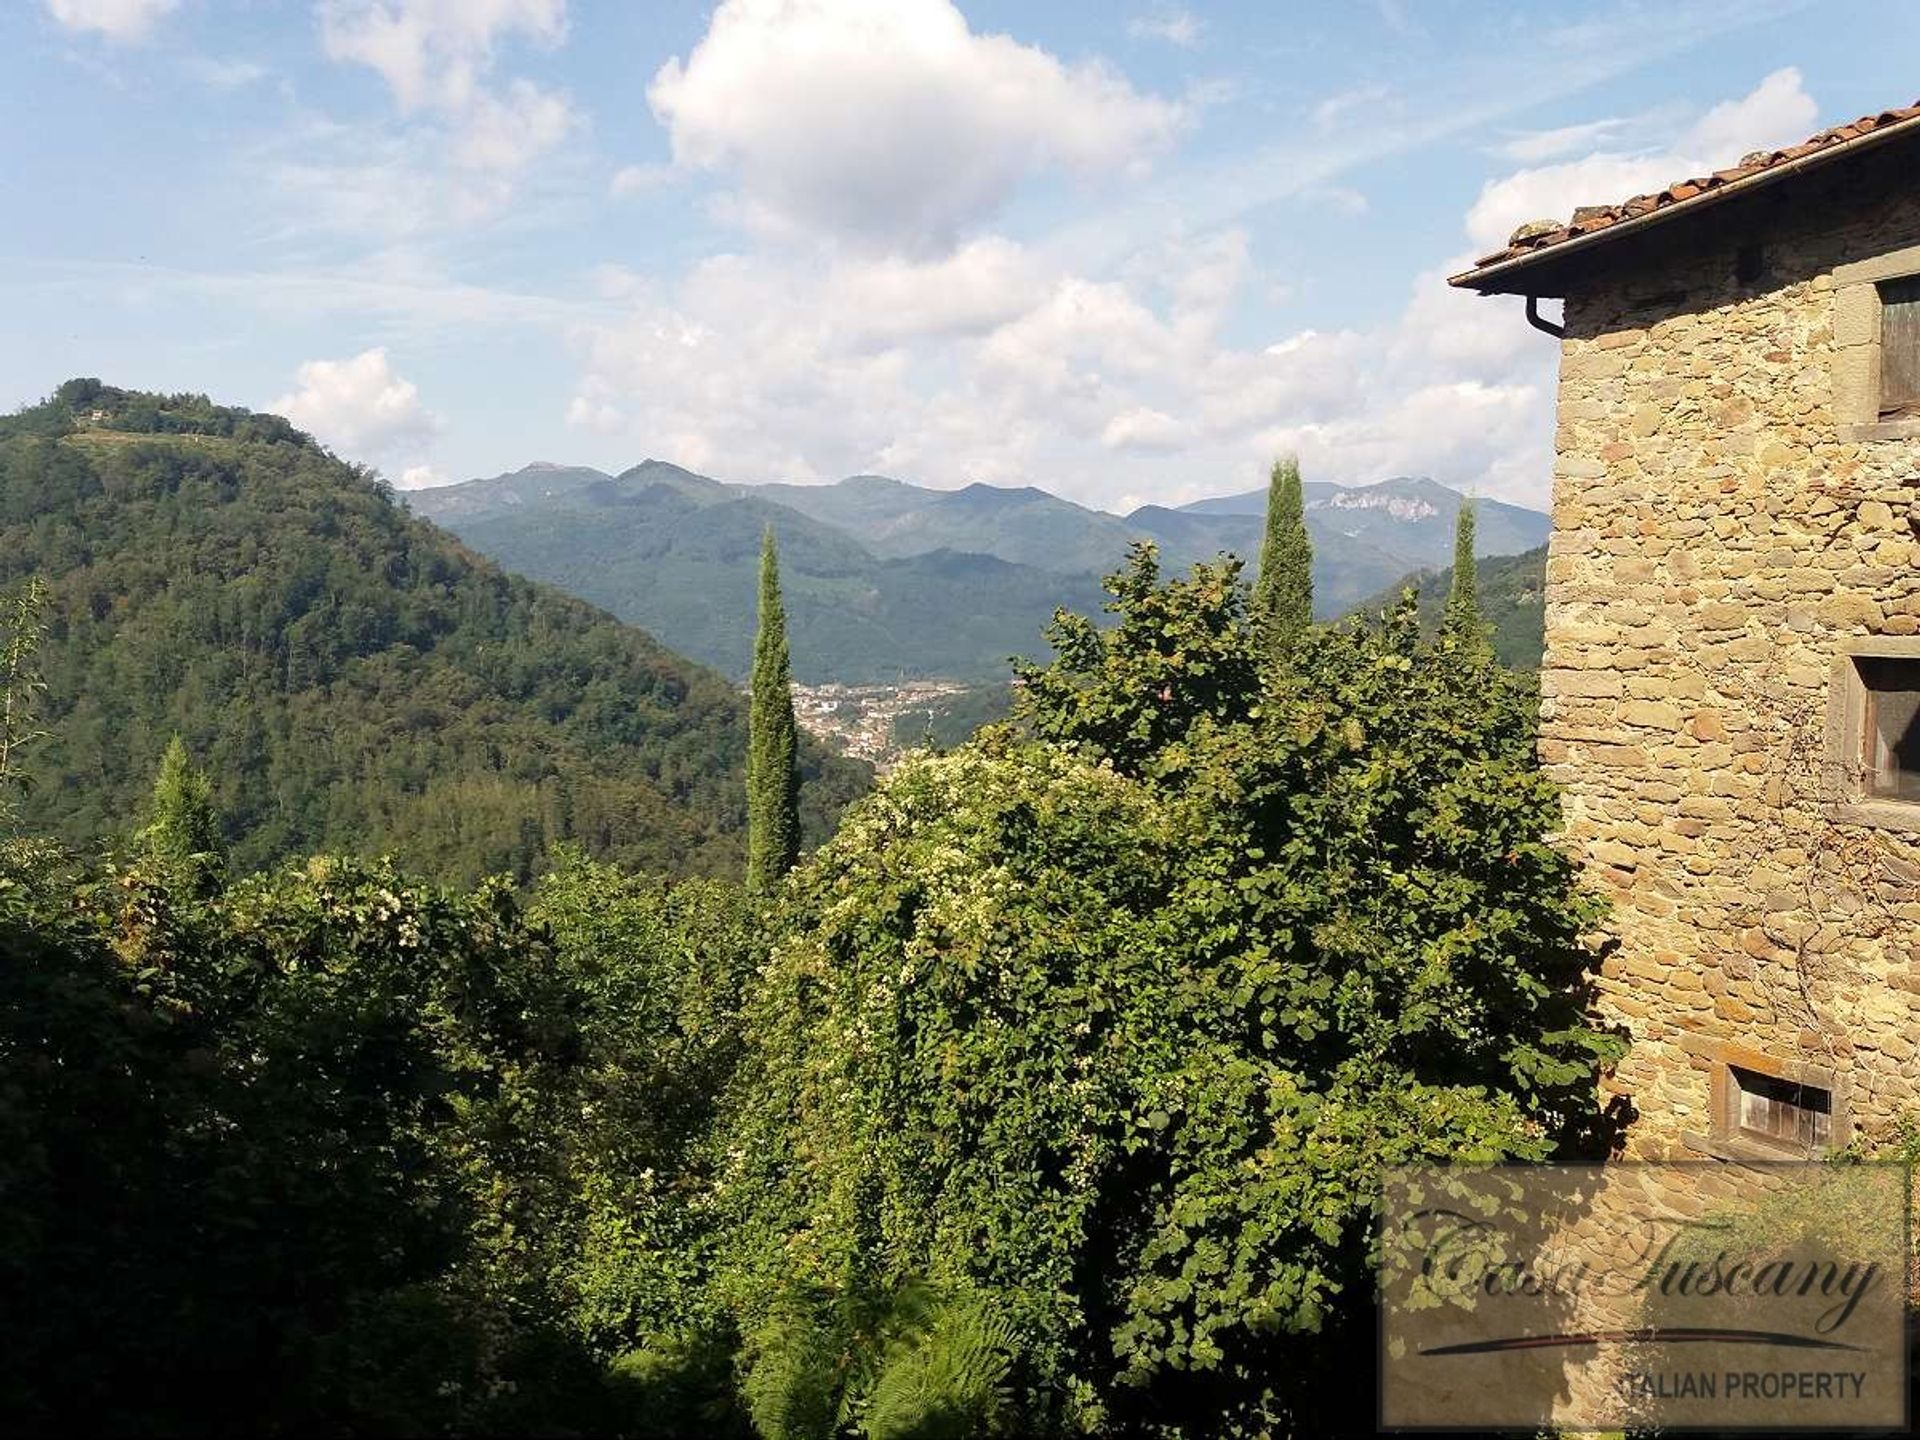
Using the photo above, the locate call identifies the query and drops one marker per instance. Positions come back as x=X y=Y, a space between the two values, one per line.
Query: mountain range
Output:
x=886 y=578
x=352 y=677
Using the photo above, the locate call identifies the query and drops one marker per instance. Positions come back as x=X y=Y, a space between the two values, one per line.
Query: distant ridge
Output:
x=887 y=578
x=1409 y=515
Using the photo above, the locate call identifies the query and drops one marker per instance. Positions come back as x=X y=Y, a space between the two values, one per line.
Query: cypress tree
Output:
x=1462 y=616
x=773 y=774
x=183 y=828
x=1283 y=591
x=23 y=625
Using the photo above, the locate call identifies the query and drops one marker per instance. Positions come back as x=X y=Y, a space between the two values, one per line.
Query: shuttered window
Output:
x=1769 y=1108
x=1890 y=750
x=1900 y=348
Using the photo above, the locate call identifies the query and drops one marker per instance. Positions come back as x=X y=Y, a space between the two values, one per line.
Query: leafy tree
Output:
x=183 y=828
x=773 y=779
x=330 y=1150
x=915 y=1363
x=271 y=1152
x=1119 y=1028
x=1283 y=589
x=1178 y=652
x=655 y=974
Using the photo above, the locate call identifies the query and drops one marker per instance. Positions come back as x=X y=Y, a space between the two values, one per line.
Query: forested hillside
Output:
x=353 y=678
x=1512 y=600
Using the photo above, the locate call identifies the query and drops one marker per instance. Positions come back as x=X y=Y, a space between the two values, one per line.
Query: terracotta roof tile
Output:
x=1538 y=235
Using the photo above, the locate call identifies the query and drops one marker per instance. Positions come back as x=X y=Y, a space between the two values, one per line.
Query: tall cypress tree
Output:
x=23 y=625
x=1462 y=616
x=1283 y=591
x=773 y=773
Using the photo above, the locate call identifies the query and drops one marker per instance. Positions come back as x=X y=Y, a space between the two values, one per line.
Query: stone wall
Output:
x=1723 y=533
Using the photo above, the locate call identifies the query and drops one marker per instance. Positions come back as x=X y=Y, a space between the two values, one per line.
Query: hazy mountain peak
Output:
x=979 y=492
x=651 y=469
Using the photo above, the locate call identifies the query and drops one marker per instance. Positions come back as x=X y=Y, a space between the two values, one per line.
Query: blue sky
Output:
x=1125 y=252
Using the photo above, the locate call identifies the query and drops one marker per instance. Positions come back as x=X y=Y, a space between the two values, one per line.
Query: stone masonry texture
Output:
x=1718 y=545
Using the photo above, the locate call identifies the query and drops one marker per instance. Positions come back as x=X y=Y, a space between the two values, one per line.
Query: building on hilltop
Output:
x=1731 y=688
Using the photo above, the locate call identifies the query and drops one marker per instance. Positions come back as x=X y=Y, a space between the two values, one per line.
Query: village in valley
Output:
x=861 y=720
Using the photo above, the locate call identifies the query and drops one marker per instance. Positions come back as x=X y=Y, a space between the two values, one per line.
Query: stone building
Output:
x=1731 y=688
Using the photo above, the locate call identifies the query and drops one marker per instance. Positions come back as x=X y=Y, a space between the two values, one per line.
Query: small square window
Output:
x=1900 y=349
x=1889 y=761
x=1780 y=1112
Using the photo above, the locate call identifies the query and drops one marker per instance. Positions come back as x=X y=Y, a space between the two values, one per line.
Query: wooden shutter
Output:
x=1900 y=347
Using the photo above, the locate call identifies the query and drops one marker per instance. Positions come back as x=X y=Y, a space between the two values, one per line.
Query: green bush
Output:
x=1118 y=1029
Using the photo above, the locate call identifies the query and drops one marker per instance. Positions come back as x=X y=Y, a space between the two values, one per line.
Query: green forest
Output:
x=1047 y=1095
x=352 y=678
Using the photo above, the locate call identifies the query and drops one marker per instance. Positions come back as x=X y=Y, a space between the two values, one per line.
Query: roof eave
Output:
x=1491 y=279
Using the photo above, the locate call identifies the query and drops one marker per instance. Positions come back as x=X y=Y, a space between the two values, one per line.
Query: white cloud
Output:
x=1028 y=364
x=1175 y=25
x=359 y=407
x=1144 y=430
x=218 y=74
x=1551 y=192
x=1776 y=113
x=506 y=135
x=370 y=183
x=1538 y=145
x=437 y=57
x=434 y=53
x=378 y=182
x=421 y=477
x=1488 y=439
x=994 y=364
x=889 y=121
x=1342 y=199
x=983 y=284
x=115 y=19
x=594 y=415
x=1394 y=16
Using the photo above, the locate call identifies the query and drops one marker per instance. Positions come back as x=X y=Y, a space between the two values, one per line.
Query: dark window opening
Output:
x=1749 y=264
x=1900 y=348
x=1765 y=1107
x=1890 y=746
